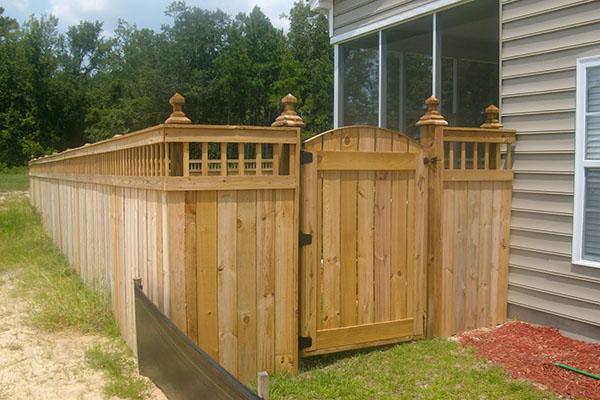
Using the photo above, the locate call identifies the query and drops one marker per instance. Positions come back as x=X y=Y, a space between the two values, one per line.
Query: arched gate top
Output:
x=362 y=138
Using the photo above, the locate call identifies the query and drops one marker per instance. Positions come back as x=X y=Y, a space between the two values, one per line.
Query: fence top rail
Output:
x=481 y=135
x=168 y=133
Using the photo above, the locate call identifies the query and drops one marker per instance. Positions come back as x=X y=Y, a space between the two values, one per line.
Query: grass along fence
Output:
x=204 y=215
x=399 y=239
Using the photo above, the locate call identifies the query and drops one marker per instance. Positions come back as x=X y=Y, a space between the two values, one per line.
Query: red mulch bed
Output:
x=529 y=352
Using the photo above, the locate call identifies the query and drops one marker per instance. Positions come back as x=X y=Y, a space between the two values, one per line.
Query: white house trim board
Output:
x=321 y=5
x=433 y=6
x=382 y=95
x=580 y=162
x=338 y=101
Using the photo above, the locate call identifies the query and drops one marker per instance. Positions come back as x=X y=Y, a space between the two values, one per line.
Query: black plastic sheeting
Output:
x=175 y=364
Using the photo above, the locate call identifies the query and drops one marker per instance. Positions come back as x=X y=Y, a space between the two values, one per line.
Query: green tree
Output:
x=308 y=69
x=60 y=90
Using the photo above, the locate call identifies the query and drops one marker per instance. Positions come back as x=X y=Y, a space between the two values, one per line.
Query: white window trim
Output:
x=580 y=162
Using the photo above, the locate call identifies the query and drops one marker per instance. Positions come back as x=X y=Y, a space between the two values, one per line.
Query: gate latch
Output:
x=432 y=160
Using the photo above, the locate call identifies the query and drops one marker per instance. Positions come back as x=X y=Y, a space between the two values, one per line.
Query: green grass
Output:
x=119 y=370
x=15 y=178
x=61 y=300
x=427 y=369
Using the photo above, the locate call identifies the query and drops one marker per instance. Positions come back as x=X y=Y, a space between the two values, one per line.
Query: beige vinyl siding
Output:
x=541 y=41
x=352 y=14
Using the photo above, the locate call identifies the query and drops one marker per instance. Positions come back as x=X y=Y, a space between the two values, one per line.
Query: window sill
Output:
x=586 y=263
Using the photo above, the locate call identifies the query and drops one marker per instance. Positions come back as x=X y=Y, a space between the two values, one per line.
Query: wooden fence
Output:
x=470 y=190
x=206 y=216
x=408 y=239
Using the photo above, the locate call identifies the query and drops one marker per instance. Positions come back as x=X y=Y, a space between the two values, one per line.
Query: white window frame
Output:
x=580 y=161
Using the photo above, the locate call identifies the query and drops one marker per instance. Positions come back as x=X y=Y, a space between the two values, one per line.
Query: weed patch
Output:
x=119 y=370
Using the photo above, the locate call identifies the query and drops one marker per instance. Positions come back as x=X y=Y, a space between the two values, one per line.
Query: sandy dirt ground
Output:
x=41 y=365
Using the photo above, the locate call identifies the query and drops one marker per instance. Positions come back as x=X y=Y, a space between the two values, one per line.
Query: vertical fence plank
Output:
x=286 y=339
x=365 y=223
x=330 y=317
x=382 y=249
x=227 y=279
x=176 y=242
x=190 y=265
x=399 y=236
x=246 y=287
x=348 y=235
x=505 y=213
x=206 y=258
x=265 y=280
x=483 y=262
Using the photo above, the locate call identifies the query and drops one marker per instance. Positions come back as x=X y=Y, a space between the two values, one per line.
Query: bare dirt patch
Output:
x=40 y=365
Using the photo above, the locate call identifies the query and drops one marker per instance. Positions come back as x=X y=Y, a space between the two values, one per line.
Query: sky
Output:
x=143 y=13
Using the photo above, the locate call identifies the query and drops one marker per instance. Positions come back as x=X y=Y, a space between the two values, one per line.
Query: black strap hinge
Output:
x=432 y=160
x=304 y=342
x=306 y=157
x=304 y=239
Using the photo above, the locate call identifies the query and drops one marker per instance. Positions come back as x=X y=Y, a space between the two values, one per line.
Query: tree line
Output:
x=60 y=90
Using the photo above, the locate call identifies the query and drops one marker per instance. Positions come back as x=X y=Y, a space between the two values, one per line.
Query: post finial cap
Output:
x=432 y=116
x=289 y=116
x=491 y=118
x=177 y=116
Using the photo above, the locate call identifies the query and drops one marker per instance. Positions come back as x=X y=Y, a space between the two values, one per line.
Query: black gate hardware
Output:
x=304 y=239
x=432 y=160
x=306 y=157
x=304 y=342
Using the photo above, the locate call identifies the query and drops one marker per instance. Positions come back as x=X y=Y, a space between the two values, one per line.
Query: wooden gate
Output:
x=362 y=270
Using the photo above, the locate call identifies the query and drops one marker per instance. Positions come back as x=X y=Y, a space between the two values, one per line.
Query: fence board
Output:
x=365 y=250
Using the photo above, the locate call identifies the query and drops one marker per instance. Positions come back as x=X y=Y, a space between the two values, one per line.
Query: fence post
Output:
x=431 y=126
x=178 y=152
x=288 y=117
x=492 y=122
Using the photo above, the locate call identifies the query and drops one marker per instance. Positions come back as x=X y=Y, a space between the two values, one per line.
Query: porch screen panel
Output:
x=360 y=83
x=469 y=40
x=409 y=73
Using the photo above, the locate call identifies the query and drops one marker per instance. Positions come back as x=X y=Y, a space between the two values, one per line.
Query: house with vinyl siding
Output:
x=539 y=60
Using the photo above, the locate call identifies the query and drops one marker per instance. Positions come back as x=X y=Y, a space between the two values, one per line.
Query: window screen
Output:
x=586 y=233
x=593 y=114
x=591 y=222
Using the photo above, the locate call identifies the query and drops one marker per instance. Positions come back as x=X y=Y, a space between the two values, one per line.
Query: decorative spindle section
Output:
x=289 y=116
x=432 y=116
x=177 y=116
x=491 y=118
